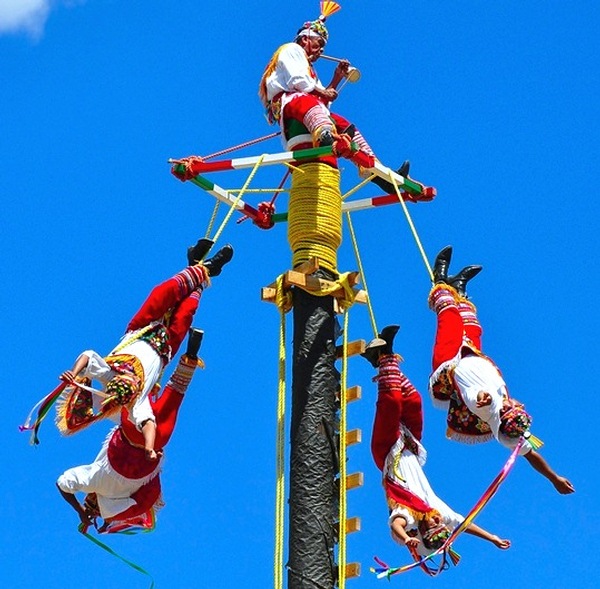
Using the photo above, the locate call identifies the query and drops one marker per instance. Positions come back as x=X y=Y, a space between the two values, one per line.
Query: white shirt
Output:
x=407 y=472
x=474 y=374
x=292 y=73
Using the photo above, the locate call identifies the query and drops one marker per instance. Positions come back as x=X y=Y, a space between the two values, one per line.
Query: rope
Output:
x=238 y=198
x=280 y=457
x=213 y=217
x=362 y=273
x=315 y=218
x=412 y=226
x=241 y=145
x=343 y=471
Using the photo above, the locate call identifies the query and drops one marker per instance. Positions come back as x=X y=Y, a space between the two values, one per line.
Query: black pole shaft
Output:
x=313 y=500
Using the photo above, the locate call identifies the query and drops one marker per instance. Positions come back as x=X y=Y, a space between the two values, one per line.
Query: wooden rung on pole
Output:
x=354 y=348
x=353 y=436
x=355 y=480
x=352 y=525
x=352 y=570
x=353 y=393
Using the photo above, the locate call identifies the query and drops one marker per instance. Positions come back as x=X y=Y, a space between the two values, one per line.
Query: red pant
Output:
x=398 y=401
x=451 y=331
x=173 y=303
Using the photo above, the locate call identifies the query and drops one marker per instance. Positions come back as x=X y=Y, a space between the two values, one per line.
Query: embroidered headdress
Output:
x=316 y=28
x=514 y=420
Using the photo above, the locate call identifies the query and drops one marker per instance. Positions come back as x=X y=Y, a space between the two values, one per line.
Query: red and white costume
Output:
x=461 y=371
x=126 y=484
x=153 y=337
x=287 y=93
x=398 y=452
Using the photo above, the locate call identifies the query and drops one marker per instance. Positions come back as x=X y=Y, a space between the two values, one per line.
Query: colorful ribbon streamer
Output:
x=108 y=549
x=385 y=571
x=41 y=407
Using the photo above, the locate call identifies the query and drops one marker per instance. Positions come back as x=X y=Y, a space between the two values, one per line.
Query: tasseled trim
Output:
x=262 y=87
x=468 y=439
x=441 y=384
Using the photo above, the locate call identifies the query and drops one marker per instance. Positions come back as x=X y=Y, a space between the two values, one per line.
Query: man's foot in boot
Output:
x=386 y=185
x=388 y=334
x=216 y=263
x=441 y=264
x=196 y=253
x=381 y=345
x=326 y=138
x=373 y=351
x=459 y=282
x=193 y=344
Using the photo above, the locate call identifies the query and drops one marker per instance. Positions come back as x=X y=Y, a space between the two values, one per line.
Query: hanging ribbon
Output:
x=385 y=571
x=108 y=549
x=41 y=408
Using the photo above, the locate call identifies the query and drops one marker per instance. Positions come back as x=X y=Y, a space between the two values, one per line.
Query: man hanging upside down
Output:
x=467 y=383
x=123 y=486
x=418 y=518
x=133 y=368
x=294 y=96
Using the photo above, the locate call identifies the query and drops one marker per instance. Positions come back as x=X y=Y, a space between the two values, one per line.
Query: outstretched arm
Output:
x=85 y=517
x=475 y=530
x=399 y=532
x=80 y=364
x=561 y=484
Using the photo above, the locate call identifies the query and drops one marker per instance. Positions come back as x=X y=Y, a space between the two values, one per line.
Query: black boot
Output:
x=325 y=138
x=193 y=345
x=349 y=130
x=373 y=351
x=459 y=282
x=381 y=345
x=386 y=185
x=216 y=263
x=442 y=262
x=388 y=334
x=196 y=253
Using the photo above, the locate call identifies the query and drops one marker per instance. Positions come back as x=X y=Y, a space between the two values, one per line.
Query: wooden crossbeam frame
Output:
x=302 y=276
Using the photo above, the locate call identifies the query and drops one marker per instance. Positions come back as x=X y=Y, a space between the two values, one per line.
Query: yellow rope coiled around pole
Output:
x=315 y=215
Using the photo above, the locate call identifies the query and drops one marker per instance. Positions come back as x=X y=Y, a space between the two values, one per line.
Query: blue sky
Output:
x=495 y=104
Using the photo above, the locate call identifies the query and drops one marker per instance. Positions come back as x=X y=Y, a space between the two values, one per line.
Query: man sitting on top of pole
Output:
x=294 y=96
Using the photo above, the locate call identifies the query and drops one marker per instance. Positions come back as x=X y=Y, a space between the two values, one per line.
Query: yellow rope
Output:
x=343 y=473
x=362 y=273
x=213 y=218
x=412 y=227
x=280 y=457
x=314 y=218
x=238 y=198
x=357 y=187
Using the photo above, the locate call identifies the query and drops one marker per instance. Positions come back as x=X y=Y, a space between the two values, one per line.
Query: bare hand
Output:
x=341 y=70
x=500 y=543
x=86 y=518
x=67 y=376
x=329 y=94
x=152 y=455
x=483 y=399
x=413 y=542
x=563 y=486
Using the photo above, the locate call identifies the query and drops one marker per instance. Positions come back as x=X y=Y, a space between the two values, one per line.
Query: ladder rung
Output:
x=354 y=436
x=354 y=348
x=353 y=393
x=354 y=480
